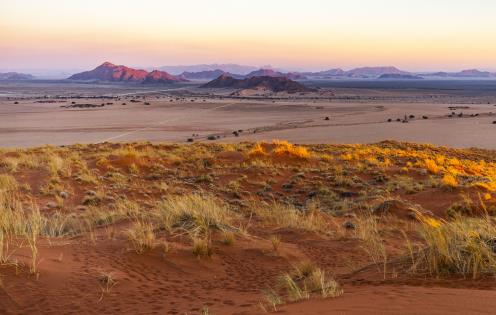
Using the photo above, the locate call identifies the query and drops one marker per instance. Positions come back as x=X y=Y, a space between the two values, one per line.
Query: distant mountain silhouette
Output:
x=202 y=75
x=471 y=73
x=15 y=76
x=118 y=73
x=274 y=73
x=227 y=68
x=273 y=84
x=213 y=74
x=371 y=72
x=474 y=73
x=327 y=74
x=358 y=73
x=398 y=76
x=208 y=75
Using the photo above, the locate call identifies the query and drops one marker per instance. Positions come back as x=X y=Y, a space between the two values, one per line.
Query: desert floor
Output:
x=356 y=115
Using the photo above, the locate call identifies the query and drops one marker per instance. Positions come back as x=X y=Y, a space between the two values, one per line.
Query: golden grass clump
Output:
x=326 y=286
x=463 y=246
x=294 y=291
x=195 y=213
x=127 y=157
x=11 y=164
x=8 y=183
x=286 y=150
x=142 y=236
x=228 y=238
x=257 y=152
x=202 y=248
x=58 y=166
x=279 y=151
x=432 y=166
x=104 y=163
x=271 y=301
x=373 y=244
x=301 y=285
x=290 y=217
x=449 y=181
x=275 y=240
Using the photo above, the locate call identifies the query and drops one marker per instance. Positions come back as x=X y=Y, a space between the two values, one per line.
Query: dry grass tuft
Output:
x=288 y=216
x=325 y=286
x=196 y=214
x=275 y=240
x=142 y=236
x=271 y=301
x=301 y=286
x=7 y=183
x=368 y=231
x=463 y=246
x=228 y=238
x=202 y=247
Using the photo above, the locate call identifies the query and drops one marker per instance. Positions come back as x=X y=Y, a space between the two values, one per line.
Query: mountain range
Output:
x=393 y=73
x=119 y=73
x=227 y=68
x=213 y=74
x=472 y=73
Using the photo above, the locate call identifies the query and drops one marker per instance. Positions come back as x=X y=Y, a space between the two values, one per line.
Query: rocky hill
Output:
x=118 y=73
x=157 y=76
x=267 y=83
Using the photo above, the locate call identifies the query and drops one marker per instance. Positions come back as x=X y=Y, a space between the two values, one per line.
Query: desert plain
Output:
x=358 y=113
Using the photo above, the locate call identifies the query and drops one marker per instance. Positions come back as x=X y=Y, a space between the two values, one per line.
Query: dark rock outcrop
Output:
x=273 y=84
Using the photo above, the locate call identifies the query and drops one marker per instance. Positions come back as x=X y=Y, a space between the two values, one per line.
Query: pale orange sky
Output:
x=312 y=34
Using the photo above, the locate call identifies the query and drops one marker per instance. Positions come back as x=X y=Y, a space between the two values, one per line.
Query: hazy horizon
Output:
x=59 y=71
x=418 y=36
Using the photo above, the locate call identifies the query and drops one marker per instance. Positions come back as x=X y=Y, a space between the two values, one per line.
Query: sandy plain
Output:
x=356 y=115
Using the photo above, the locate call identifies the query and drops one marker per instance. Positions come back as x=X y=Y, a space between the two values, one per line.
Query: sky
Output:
x=414 y=35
